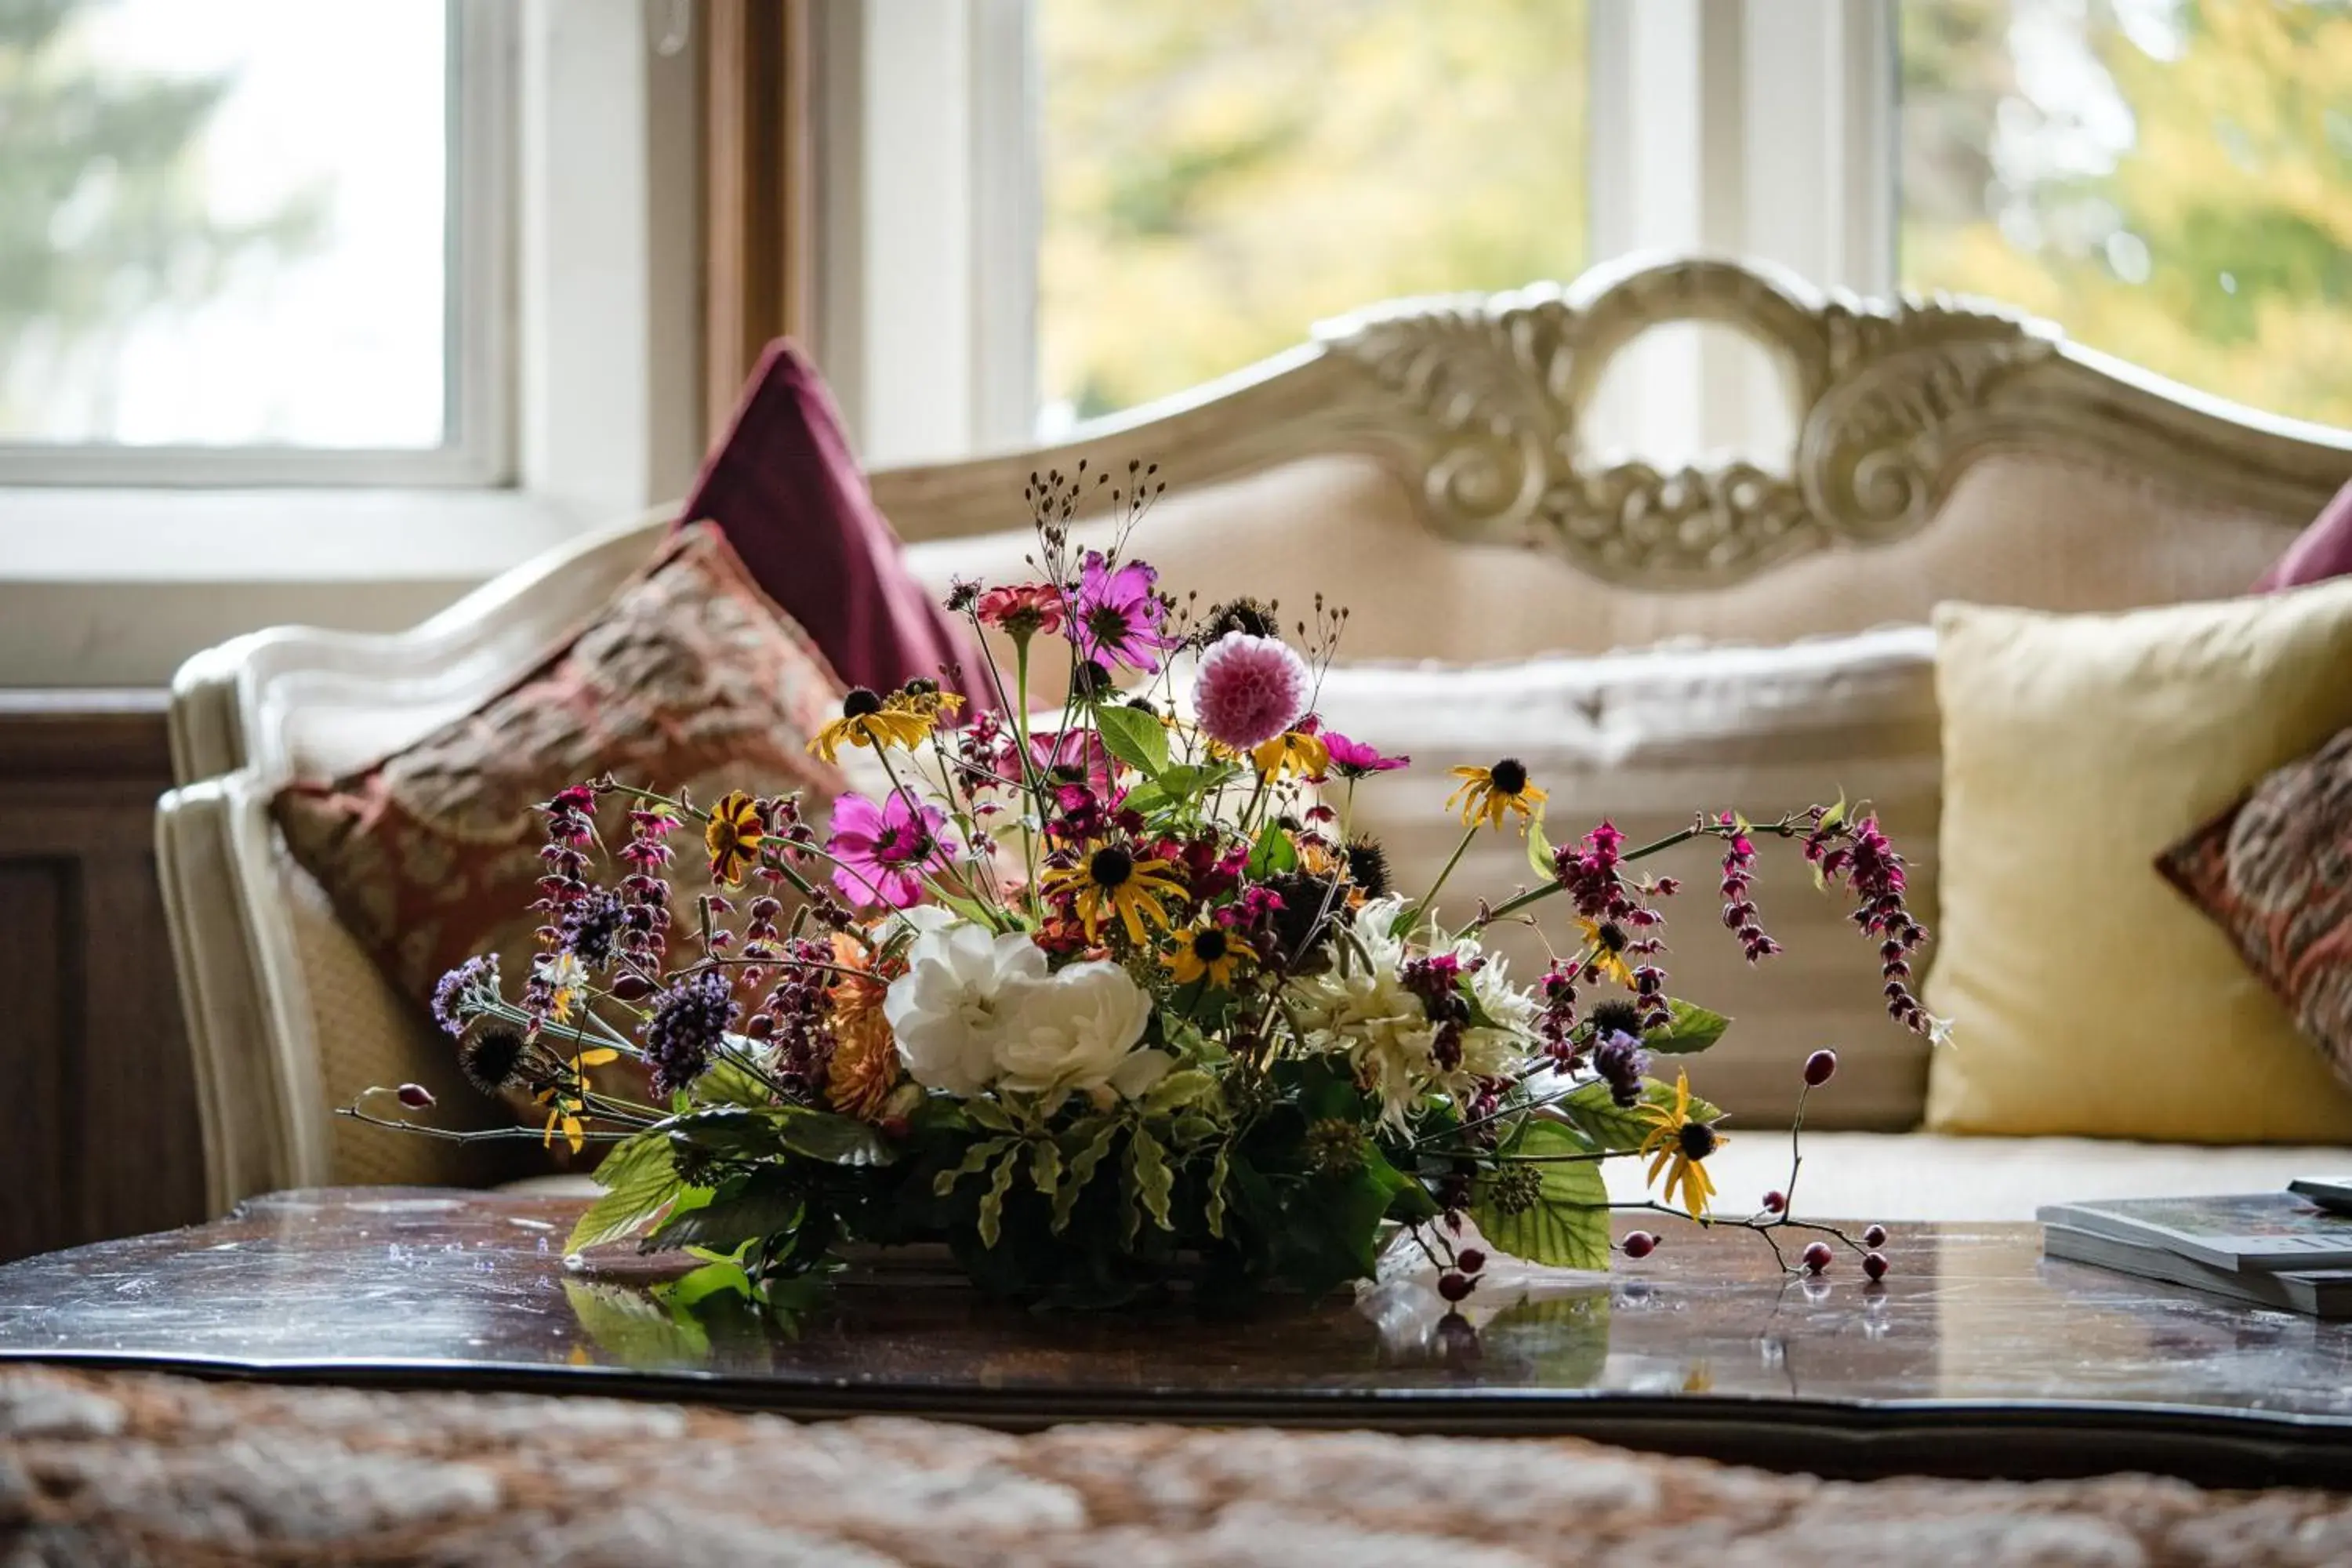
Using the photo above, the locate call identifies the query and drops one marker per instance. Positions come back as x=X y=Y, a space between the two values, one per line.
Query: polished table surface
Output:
x=1976 y=1355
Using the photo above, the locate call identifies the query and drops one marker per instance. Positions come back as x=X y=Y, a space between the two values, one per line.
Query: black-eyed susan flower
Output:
x=870 y=720
x=568 y=1099
x=1206 y=953
x=1677 y=1148
x=1112 y=881
x=1493 y=791
x=1300 y=751
x=1606 y=941
x=733 y=837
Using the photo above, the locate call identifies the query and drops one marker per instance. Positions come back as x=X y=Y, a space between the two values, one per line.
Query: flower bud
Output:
x=416 y=1096
x=632 y=988
x=1820 y=1068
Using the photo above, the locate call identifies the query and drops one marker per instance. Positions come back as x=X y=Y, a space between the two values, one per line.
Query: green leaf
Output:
x=1155 y=1183
x=1090 y=1143
x=988 y=1114
x=1539 y=850
x=720 y=1276
x=1272 y=854
x=1568 y=1225
x=1213 y=1209
x=991 y=1202
x=1046 y=1166
x=1134 y=737
x=975 y=1159
x=834 y=1139
x=1689 y=1028
x=1621 y=1128
x=1178 y=1089
x=754 y=1211
x=639 y=1179
x=729 y=1085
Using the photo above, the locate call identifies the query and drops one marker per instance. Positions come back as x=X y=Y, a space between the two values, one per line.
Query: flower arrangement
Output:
x=1105 y=994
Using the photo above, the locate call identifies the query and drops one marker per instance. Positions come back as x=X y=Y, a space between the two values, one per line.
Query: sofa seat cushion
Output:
x=1916 y=1176
x=1648 y=739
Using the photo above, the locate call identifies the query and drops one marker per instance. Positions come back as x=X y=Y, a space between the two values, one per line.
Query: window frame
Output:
x=479 y=372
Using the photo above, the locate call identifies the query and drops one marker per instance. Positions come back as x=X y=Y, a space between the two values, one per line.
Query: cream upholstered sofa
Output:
x=1422 y=463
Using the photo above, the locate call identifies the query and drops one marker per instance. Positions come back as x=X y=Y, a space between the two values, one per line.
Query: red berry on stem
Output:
x=1470 y=1260
x=1874 y=1265
x=1639 y=1242
x=1820 y=1068
x=1816 y=1256
x=1776 y=1202
x=1453 y=1287
x=1875 y=1236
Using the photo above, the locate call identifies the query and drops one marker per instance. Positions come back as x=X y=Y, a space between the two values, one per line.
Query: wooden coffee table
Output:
x=1976 y=1357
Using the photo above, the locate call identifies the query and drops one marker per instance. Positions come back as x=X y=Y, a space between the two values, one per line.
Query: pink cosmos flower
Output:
x=1023 y=609
x=883 y=850
x=1115 y=617
x=1250 y=689
x=1069 y=756
x=1355 y=759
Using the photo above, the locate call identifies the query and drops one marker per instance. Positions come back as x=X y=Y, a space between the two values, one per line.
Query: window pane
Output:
x=1219 y=175
x=223 y=224
x=2169 y=180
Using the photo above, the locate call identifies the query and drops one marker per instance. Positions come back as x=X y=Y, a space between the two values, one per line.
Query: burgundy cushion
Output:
x=2322 y=551
x=788 y=495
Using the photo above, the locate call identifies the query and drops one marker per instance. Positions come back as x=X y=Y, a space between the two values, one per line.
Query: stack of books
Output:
x=2273 y=1249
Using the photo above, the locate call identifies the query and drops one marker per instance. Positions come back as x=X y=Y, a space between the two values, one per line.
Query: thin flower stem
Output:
x=1428 y=899
x=455 y=1135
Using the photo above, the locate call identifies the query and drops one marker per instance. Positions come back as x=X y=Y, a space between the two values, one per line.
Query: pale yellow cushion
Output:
x=2089 y=997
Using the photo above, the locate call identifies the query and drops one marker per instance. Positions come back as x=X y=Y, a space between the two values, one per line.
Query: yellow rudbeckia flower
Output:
x=1112 y=881
x=1677 y=1148
x=1207 y=952
x=733 y=838
x=901 y=720
x=1492 y=792
x=1292 y=752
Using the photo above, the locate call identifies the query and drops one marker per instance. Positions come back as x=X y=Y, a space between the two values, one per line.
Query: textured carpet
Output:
x=126 y=1471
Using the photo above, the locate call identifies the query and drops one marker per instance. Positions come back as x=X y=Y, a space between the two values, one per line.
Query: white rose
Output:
x=1078 y=1031
x=962 y=990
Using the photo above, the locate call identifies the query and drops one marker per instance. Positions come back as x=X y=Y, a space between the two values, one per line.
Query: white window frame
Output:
x=1755 y=128
x=114 y=582
x=476 y=447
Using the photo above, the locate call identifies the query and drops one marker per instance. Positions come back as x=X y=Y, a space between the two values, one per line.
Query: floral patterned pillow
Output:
x=690 y=676
x=2274 y=871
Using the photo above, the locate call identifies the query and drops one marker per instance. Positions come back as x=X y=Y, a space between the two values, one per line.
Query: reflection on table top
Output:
x=1973 y=1327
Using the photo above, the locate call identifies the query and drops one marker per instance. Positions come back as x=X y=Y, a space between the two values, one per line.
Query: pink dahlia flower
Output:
x=1250 y=689
x=881 y=851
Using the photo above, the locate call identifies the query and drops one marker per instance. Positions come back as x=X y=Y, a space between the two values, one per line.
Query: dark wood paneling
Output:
x=99 y=1135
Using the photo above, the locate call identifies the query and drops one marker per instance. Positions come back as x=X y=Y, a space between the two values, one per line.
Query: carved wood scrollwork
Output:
x=1494 y=387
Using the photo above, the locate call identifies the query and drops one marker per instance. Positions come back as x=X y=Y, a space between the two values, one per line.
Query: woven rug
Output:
x=124 y=1470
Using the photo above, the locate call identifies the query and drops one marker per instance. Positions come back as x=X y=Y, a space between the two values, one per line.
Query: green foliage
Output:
x=2187 y=204
x=1622 y=1129
x=1249 y=170
x=1689 y=1028
x=1134 y=737
x=1566 y=1226
x=638 y=1180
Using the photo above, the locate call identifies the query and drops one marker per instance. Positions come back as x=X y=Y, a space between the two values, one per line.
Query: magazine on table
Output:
x=2316 y=1293
x=2252 y=1231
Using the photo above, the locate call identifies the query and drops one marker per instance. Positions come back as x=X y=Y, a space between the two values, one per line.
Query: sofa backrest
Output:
x=1423 y=463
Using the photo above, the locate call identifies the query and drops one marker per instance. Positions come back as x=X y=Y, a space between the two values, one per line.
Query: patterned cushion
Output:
x=2276 y=872
x=690 y=678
